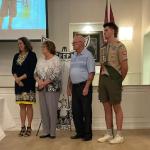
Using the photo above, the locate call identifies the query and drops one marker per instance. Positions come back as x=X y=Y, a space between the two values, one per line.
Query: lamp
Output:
x=125 y=33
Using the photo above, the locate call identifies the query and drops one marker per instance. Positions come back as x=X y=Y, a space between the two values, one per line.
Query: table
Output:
x=6 y=119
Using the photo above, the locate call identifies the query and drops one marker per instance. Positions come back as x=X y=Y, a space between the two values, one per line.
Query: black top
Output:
x=27 y=67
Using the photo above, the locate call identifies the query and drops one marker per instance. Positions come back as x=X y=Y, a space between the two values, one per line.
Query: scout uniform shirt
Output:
x=112 y=54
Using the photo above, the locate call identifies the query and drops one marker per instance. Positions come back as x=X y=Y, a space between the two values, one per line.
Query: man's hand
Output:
x=69 y=93
x=85 y=91
x=88 y=84
x=69 y=87
x=124 y=69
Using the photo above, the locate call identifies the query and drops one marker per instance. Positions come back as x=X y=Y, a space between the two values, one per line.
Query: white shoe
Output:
x=117 y=140
x=105 y=138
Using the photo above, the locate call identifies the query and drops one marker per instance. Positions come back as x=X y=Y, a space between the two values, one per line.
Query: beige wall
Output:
x=63 y=12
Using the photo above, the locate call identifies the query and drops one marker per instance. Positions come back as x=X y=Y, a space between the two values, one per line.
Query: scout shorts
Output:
x=110 y=90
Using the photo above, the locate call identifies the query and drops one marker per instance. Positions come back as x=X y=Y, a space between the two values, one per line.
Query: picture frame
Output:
x=96 y=41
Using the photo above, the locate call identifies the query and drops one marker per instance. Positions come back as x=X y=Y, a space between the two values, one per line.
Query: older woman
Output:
x=47 y=75
x=23 y=67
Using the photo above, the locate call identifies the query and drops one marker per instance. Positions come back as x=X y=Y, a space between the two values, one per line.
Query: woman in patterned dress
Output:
x=48 y=75
x=23 y=67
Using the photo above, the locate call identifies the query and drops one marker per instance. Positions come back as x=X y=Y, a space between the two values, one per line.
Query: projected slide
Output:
x=22 y=18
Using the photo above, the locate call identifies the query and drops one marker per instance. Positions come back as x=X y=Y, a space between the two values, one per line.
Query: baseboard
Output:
x=98 y=124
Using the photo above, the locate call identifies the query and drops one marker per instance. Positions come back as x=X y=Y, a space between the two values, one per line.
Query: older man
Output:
x=82 y=72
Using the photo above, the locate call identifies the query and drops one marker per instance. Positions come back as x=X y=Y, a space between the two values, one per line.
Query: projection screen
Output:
x=23 y=18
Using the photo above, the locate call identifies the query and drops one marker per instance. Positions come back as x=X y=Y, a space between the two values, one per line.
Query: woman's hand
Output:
x=21 y=84
x=40 y=84
x=46 y=82
x=17 y=80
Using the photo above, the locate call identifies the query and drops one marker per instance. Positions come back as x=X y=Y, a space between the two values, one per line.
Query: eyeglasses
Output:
x=76 y=42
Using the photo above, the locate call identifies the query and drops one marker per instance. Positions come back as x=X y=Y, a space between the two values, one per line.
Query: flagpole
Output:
x=108 y=10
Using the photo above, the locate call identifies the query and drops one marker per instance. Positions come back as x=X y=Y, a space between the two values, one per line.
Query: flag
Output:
x=106 y=13
x=109 y=17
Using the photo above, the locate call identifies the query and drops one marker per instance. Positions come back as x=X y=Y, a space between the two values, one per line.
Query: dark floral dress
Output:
x=25 y=64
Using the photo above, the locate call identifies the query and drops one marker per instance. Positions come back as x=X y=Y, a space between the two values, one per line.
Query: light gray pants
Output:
x=49 y=106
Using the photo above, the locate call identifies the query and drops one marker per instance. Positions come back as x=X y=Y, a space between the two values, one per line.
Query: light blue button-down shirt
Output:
x=81 y=65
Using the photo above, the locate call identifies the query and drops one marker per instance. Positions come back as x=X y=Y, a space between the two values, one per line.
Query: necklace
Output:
x=21 y=58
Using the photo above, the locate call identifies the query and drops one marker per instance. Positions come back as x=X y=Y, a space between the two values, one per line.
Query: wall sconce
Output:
x=125 y=33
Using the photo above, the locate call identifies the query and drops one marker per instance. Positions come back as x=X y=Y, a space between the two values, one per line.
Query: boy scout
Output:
x=114 y=67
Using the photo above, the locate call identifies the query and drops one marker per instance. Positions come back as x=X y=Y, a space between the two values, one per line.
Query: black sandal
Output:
x=28 y=132
x=22 y=131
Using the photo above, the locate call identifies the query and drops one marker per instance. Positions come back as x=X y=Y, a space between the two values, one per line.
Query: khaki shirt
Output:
x=112 y=54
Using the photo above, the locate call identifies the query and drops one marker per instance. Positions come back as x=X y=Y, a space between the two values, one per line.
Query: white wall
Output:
x=65 y=12
x=146 y=59
x=61 y=13
x=145 y=17
x=70 y=11
x=145 y=42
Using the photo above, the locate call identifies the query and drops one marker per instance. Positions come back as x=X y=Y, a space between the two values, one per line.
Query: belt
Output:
x=79 y=84
x=105 y=75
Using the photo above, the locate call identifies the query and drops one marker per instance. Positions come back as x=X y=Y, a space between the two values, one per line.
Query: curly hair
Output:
x=50 y=46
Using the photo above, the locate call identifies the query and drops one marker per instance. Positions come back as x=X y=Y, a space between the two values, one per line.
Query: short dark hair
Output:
x=27 y=43
x=113 y=26
x=50 y=46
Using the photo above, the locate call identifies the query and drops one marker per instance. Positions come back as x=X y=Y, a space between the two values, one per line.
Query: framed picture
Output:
x=94 y=40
